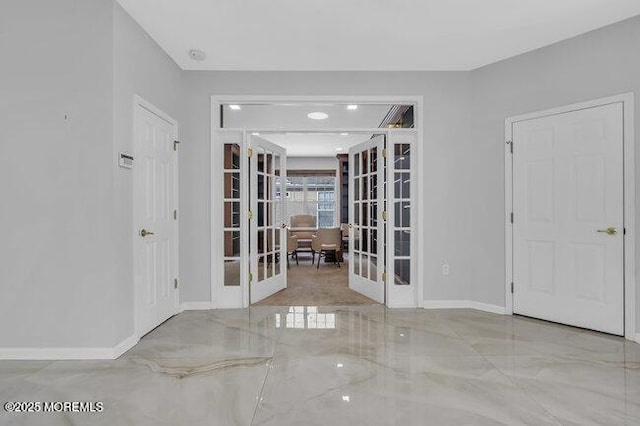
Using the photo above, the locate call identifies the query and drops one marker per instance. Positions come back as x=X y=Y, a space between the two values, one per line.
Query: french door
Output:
x=267 y=236
x=367 y=228
x=247 y=224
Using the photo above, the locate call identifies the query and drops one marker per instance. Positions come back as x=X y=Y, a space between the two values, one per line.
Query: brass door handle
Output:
x=144 y=233
x=609 y=231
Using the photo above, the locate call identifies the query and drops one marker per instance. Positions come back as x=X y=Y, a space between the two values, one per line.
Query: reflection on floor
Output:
x=364 y=365
x=325 y=286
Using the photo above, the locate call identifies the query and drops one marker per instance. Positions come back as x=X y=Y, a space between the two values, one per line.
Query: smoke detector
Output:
x=197 y=55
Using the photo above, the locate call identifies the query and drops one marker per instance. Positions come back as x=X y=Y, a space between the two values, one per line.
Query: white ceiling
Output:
x=294 y=116
x=315 y=144
x=365 y=34
x=308 y=140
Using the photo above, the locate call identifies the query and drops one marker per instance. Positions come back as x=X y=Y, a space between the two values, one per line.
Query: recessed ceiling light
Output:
x=345 y=398
x=352 y=107
x=318 y=115
x=344 y=134
x=255 y=134
x=235 y=107
x=338 y=149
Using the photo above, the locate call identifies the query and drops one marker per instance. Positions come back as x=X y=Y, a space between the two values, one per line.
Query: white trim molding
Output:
x=124 y=346
x=627 y=100
x=464 y=304
x=238 y=296
x=55 y=354
x=195 y=306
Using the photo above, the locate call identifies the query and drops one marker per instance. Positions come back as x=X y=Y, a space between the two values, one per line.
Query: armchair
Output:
x=304 y=227
x=292 y=247
x=328 y=241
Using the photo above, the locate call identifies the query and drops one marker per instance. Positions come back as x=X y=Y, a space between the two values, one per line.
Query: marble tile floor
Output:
x=347 y=365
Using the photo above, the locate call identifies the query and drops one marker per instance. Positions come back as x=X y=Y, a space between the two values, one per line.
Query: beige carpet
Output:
x=308 y=286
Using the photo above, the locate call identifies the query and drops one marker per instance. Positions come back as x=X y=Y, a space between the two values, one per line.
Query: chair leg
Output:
x=319 y=257
x=288 y=266
x=296 y=254
x=313 y=257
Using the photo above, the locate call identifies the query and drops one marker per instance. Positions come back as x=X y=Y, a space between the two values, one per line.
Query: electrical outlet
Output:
x=445 y=269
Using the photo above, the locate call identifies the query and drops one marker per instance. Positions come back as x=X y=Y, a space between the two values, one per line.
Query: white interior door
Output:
x=155 y=217
x=568 y=218
x=267 y=241
x=366 y=204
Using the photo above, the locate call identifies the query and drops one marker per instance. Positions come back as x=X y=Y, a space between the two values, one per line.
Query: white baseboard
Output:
x=401 y=306
x=195 y=306
x=125 y=345
x=54 y=354
x=463 y=304
x=445 y=304
x=494 y=309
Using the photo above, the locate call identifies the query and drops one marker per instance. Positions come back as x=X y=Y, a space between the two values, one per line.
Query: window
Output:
x=314 y=195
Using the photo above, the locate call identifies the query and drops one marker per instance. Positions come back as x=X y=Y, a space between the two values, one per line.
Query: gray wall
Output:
x=598 y=64
x=66 y=216
x=140 y=67
x=311 y=163
x=446 y=116
x=57 y=248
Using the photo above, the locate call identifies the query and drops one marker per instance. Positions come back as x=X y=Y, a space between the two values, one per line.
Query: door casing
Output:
x=238 y=297
x=627 y=100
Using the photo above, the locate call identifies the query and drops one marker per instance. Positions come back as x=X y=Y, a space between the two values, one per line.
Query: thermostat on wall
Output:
x=125 y=160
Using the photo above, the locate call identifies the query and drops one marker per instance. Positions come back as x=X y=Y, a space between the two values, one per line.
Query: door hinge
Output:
x=175 y=215
x=511 y=217
x=175 y=145
x=510 y=143
x=250 y=215
x=175 y=283
x=384 y=153
x=384 y=277
x=384 y=215
x=511 y=287
x=250 y=277
x=249 y=152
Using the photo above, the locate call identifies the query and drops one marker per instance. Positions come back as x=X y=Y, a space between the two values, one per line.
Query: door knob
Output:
x=609 y=231
x=144 y=233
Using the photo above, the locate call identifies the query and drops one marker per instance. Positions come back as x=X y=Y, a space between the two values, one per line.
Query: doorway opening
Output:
x=314 y=212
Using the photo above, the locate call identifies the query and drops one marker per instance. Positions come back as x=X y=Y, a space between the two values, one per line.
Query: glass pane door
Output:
x=366 y=257
x=401 y=237
x=267 y=164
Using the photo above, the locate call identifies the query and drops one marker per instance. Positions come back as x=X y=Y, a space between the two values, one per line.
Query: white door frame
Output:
x=216 y=145
x=139 y=102
x=627 y=100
